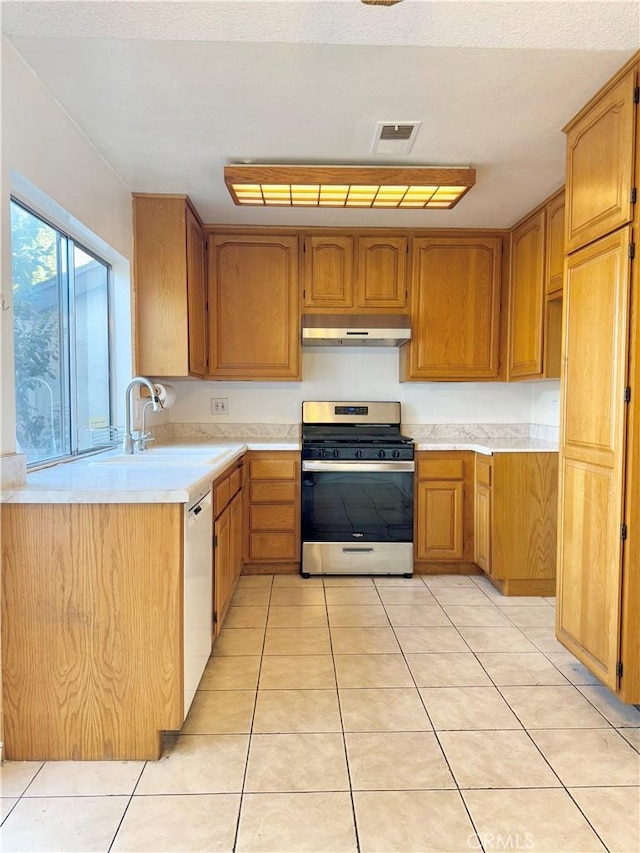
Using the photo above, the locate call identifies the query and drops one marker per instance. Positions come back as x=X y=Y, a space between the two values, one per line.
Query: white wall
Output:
x=545 y=403
x=356 y=374
x=49 y=163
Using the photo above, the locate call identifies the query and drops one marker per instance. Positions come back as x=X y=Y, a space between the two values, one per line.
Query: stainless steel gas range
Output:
x=357 y=490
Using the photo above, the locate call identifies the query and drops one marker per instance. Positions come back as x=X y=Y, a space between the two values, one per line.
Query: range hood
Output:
x=355 y=330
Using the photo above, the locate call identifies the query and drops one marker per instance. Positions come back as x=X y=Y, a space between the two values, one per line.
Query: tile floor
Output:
x=353 y=714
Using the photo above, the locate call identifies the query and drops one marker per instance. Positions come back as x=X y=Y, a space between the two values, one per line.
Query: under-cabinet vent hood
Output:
x=355 y=330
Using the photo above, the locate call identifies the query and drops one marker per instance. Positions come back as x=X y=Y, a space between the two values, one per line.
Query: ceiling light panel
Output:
x=404 y=187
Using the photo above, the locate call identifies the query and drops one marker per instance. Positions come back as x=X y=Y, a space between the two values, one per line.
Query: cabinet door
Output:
x=482 y=528
x=439 y=520
x=600 y=150
x=223 y=573
x=382 y=273
x=253 y=308
x=236 y=539
x=592 y=436
x=455 y=309
x=160 y=272
x=196 y=296
x=554 y=252
x=526 y=303
x=328 y=272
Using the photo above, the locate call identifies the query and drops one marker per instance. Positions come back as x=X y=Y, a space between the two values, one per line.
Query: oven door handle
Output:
x=362 y=467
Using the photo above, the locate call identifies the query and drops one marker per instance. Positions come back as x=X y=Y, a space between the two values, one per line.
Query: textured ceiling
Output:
x=169 y=92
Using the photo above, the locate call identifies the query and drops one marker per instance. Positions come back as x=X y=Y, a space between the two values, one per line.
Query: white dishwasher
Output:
x=198 y=592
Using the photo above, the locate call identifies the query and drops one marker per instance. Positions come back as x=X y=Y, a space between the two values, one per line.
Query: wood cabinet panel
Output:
x=600 y=152
x=455 y=309
x=592 y=453
x=482 y=528
x=382 y=272
x=271 y=492
x=554 y=245
x=169 y=287
x=483 y=470
x=329 y=271
x=273 y=517
x=274 y=547
x=524 y=502
x=254 y=316
x=275 y=466
x=596 y=340
x=92 y=610
x=440 y=524
x=221 y=496
x=526 y=302
x=223 y=567
x=196 y=297
x=273 y=509
x=435 y=468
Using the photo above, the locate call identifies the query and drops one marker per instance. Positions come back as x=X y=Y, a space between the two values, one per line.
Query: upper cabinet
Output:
x=455 y=309
x=554 y=248
x=600 y=154
x=345 y=273
x=254 y=329
x=526 y=303
x=329 y=272
x=170 y=293
x=535 y=292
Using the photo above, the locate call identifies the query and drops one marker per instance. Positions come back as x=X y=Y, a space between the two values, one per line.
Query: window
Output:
x=61 y=341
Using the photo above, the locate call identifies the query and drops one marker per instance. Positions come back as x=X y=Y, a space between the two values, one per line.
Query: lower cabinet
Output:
x=515 y=523
x=92 y=629
x=272 y=511
x=227 y=540
x=444 y=508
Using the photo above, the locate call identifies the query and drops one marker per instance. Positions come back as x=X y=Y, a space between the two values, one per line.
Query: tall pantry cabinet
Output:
x=598 y=610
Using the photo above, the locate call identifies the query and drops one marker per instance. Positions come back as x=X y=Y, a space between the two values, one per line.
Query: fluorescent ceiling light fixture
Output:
x=402 y=187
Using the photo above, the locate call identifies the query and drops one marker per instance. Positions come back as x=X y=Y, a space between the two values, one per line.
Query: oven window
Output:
x=357 y=507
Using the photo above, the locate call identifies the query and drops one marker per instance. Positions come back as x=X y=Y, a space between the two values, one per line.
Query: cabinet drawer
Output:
x=483 y=471
x=272 y=517
x=274 y=546
x=267 y=493
x=273 y=469
x=235 y=482
x=221 y=496
x=441 y=469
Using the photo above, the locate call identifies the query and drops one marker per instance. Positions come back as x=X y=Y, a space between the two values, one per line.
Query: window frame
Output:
x=67 y=330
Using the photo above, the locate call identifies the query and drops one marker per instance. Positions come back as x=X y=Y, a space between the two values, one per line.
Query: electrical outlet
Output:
x=219 y=406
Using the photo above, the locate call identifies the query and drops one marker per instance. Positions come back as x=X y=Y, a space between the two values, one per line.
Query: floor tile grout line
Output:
x=344 y=745
x=129 y=801
x=253 y=715
x=437 y=739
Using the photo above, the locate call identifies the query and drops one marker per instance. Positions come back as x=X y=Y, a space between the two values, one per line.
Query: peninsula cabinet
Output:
x=362 y=273
x=455 y=309
x=444 y=511
x=169 y=284
x=254 y=318
x=516 y=501
x=92 y=629
x=598 y=616
x=272 y=512
x=227 y=540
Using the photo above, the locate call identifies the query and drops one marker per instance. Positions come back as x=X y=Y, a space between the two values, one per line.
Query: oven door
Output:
x=357 y=517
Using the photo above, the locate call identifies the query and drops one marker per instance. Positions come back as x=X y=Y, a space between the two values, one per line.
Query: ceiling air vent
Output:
x=394 y=137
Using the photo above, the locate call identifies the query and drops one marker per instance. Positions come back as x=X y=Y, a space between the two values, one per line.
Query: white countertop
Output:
x=169 y=473
x=489 y=446
x=179 y=471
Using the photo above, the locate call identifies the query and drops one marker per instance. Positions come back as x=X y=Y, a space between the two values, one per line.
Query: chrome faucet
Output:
x=128 y=443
